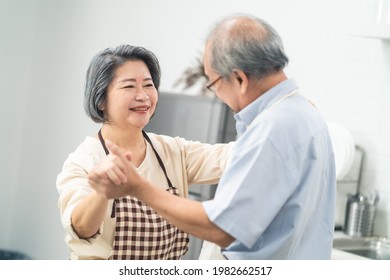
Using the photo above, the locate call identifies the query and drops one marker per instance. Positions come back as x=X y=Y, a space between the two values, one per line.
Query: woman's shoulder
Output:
x=166 y=142
x=90 y=145
x=169 y=141
x=80 y=161
x=165 y=139
x=87 y=152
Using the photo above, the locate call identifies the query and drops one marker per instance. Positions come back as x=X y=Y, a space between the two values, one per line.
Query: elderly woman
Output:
x=121 y=93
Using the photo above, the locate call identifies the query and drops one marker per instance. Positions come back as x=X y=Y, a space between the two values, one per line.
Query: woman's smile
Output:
x=140 y=109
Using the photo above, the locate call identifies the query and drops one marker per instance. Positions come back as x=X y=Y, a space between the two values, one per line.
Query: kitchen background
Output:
x=46 y=46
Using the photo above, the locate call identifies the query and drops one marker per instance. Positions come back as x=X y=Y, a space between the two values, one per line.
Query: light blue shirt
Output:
x=277 y=197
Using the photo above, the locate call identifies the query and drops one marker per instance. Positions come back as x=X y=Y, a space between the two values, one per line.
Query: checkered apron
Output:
x=140 y=232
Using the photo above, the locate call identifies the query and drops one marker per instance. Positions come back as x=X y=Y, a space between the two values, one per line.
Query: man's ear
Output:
x=242 y=80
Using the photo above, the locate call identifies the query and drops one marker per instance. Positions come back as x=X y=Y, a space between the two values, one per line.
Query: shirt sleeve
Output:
x=73 y=187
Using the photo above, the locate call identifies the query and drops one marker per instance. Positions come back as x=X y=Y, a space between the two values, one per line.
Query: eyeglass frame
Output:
x=210 y=85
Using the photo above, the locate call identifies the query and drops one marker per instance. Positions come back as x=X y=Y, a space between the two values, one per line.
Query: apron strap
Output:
x=103 y=142
x=159 y=160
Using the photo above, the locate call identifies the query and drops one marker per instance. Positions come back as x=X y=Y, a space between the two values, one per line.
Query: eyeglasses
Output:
x=210 y=86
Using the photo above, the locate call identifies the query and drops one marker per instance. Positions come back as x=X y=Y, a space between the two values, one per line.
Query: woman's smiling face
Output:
x=132 y=96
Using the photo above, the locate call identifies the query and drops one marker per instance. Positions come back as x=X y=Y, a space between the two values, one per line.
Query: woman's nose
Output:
x=141 y=95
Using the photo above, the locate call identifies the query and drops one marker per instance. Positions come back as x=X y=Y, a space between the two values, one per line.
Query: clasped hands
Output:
x=116 y=175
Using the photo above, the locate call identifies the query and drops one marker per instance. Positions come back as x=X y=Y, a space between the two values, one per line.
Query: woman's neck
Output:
x=126 y=138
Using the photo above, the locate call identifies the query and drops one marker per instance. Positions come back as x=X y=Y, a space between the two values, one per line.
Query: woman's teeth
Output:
x=139 y=109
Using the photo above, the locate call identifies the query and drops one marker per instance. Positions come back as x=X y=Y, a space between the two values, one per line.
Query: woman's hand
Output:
x=111 y=168
x=115 y=176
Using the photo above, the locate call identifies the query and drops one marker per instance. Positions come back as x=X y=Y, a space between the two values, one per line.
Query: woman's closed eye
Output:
x=149 y=85
x=129 y=86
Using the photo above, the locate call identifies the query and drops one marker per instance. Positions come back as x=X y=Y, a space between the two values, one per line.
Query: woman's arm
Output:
x=205 y=163
x=89 y=214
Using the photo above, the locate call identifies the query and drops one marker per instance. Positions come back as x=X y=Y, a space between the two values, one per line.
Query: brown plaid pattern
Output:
x=142 y=234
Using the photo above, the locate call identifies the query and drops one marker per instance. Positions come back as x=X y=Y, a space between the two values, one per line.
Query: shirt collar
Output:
x=251 y=111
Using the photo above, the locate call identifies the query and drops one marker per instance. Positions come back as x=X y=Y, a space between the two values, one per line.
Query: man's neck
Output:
x=265 y=84
x=258 y=88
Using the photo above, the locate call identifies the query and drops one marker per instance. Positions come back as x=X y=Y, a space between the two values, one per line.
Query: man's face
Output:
x=225 y=90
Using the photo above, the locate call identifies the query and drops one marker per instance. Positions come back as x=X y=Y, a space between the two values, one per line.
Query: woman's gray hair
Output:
x=101 y=72
x=253 y=47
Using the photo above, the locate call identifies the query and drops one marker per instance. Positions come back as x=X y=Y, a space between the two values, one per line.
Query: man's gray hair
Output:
x=253 y=47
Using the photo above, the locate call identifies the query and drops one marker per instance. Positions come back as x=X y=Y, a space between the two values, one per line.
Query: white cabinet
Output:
x=369 y=19
x=378 y=31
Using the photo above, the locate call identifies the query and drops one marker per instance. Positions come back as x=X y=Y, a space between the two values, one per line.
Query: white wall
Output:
x=16 y=37
x=43 y=69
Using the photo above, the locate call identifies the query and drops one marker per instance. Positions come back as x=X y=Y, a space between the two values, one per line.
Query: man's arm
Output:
x=188 y=215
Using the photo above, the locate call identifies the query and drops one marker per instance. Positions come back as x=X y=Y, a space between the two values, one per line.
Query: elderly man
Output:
x=276 y=199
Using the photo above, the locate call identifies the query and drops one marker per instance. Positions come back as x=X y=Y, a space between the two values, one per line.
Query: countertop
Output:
x=342 y=255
